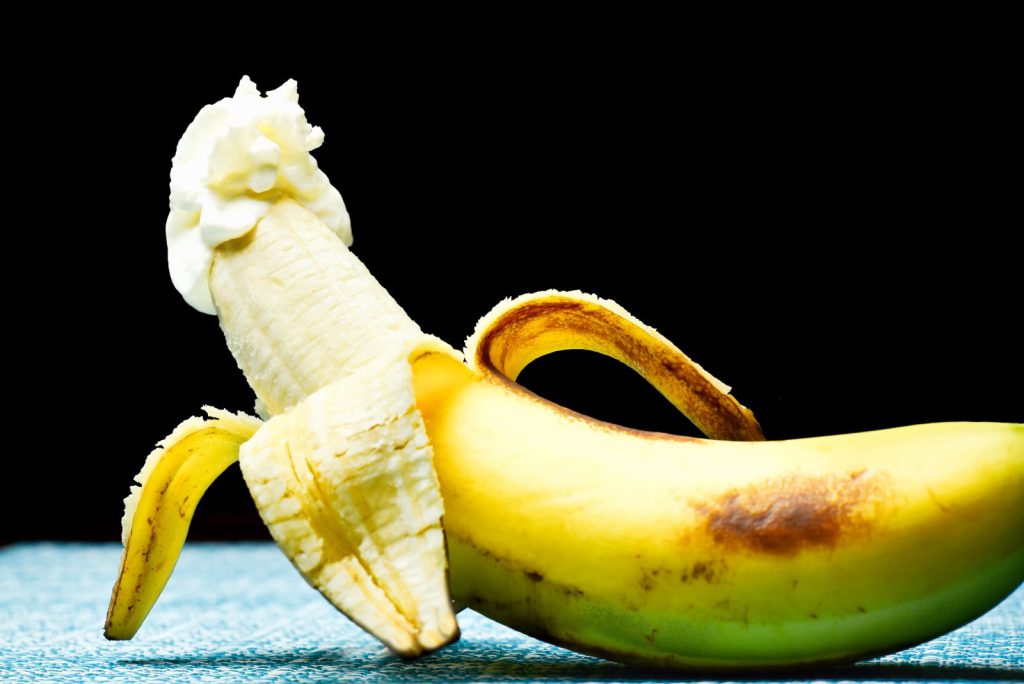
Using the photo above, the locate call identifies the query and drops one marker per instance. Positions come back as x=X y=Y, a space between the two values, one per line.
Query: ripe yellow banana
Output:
x=673 y=551
x=640 y=547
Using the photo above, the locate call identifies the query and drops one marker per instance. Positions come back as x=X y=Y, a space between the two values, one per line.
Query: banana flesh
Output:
x=346 y=486
x=342 y=473
x=299 y=310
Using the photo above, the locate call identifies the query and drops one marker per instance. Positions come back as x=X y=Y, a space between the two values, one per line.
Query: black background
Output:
x=827 y=222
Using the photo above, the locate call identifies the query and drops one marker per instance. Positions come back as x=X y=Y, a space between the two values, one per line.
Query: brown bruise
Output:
x=520 y=332
x=786 y=516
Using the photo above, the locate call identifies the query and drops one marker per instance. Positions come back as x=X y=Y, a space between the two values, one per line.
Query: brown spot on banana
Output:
x=785 y=516
x=707 y=571
x=710 y=571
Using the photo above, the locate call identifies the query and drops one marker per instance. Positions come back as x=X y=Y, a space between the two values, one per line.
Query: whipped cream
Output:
x=236 y=159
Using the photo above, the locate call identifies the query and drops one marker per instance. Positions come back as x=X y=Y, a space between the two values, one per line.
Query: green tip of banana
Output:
x=400 y=477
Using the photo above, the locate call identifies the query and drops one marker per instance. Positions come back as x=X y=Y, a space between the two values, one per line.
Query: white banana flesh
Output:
x=346 y=485
x=299 y=310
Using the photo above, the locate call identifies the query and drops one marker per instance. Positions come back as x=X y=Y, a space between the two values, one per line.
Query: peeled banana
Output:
x=382 y=445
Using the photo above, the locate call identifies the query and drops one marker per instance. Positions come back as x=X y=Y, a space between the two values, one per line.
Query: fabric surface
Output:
x=240 y=612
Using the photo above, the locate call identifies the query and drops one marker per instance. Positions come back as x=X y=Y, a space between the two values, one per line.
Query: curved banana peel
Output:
x=516 y=332
x=159 y=510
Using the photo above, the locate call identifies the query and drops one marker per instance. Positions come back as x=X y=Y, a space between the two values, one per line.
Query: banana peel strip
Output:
x=159 y=509
x=518 y=331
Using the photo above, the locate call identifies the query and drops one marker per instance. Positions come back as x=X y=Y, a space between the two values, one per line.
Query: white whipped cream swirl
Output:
x=237 y=158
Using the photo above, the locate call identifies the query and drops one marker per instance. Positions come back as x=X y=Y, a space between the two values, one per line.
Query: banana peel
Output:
x=158 y=511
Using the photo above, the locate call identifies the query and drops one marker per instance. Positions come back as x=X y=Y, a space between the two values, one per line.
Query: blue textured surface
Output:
x=239 y=612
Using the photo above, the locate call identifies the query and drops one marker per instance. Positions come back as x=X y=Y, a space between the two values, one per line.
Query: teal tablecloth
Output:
x=239 y=612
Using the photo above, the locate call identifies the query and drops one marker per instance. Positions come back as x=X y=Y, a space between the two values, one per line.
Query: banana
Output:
x=640 y=547
x=678 y=552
